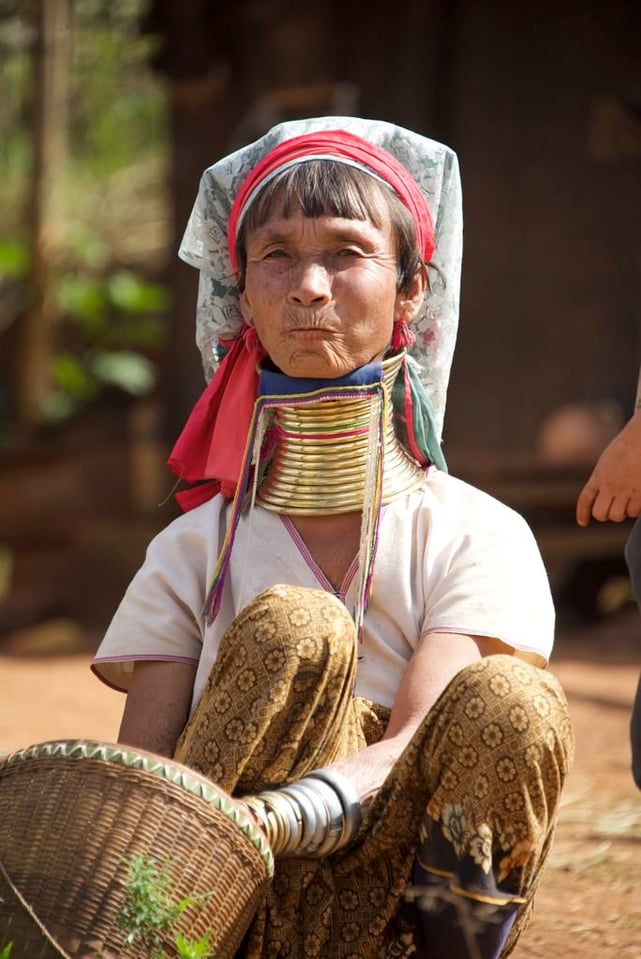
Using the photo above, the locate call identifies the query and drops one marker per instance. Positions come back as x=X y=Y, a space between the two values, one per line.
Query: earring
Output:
x=252 y=343
x=402 y=336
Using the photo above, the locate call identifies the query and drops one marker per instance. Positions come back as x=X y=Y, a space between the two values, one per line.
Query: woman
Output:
x=337 y=632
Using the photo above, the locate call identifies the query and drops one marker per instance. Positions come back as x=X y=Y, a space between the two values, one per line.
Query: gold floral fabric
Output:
x=482 y=775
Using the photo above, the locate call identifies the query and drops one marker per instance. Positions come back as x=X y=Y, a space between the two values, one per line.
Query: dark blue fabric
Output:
x=449 y=924
x=633 y=559
x=273 y=383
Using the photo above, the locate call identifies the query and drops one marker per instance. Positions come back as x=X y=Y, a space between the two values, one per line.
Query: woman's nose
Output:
x=310 y=283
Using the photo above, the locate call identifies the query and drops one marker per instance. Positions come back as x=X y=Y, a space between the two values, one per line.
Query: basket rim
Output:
x=155 y=765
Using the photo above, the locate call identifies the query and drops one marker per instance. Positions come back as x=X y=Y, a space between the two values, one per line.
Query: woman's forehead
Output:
x=292 y=224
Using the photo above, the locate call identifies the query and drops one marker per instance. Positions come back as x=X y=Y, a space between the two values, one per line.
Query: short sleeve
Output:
x=159 y=617
x=487 y=577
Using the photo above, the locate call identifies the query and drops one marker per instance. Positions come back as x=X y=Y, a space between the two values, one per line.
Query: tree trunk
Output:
x=50 y=71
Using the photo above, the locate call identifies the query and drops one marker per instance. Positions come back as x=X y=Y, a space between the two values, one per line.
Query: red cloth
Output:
x=212 y=443
x=339 y=143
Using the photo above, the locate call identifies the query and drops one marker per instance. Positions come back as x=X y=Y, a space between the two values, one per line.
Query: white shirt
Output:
x=450 y=559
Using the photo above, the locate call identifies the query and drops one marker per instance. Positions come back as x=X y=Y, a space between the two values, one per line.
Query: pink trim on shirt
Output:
x=148 y=657
x=313 y=566
x=520 y=648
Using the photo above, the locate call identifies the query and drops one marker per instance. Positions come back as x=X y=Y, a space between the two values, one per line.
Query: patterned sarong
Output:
x=475 y=794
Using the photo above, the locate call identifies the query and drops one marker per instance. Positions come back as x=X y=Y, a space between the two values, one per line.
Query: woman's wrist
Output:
x=312 y=817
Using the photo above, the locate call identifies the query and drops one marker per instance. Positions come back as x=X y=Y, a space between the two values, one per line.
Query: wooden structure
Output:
x=542 y=104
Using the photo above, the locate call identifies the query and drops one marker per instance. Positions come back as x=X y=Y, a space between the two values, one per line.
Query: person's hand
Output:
x=613 y=491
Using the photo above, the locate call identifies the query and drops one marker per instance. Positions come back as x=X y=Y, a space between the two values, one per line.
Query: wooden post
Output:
x=50 y=72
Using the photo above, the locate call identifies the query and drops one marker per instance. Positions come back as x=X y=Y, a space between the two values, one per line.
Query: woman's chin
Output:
x=317 y=367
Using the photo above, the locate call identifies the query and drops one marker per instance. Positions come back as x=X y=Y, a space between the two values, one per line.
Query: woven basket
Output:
x=73 y=814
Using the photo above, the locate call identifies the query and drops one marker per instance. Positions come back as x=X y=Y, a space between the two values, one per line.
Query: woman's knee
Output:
x=297 y=625
x=503 y=703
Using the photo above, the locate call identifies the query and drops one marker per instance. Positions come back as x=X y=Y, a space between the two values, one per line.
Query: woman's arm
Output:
x=157 y=705
x=436 y=660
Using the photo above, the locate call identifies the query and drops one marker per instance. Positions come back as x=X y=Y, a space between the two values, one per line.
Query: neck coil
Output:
x=322 y=449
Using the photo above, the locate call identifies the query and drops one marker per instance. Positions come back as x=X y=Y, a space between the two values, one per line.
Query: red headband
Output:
x=342 y=146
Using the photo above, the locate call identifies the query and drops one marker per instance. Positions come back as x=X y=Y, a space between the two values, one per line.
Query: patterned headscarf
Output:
x=432 y=192
x=346 y=148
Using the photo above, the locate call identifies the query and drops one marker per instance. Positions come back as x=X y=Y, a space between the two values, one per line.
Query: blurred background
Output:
x=109 y=112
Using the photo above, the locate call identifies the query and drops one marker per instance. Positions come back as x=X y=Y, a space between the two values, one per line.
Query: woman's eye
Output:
x=274 y=254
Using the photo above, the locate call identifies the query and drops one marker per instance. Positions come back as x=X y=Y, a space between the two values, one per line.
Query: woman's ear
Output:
x=246 y=310
x=409 y=302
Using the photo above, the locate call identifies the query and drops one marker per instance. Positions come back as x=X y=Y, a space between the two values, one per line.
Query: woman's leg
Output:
x=278 y=704
x=505 y=745
x=475 y=793
x=278 y=701
x=466 y=816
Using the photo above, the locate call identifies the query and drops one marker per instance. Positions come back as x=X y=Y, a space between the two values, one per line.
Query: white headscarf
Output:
x=435 y=169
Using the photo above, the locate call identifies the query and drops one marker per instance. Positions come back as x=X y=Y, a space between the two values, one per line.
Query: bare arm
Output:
x=613 y=491
x=436 y=660
x=157 y=705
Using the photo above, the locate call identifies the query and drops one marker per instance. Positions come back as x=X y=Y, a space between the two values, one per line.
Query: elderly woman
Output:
x=346 y=638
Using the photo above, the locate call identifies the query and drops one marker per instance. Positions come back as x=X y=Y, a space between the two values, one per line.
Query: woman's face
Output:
x=321 y=292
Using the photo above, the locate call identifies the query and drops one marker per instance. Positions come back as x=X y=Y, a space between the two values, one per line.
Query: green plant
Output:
x=104 y=208
x=190 y=949
x=5 y=951
x=149 y=913
x=113 y=327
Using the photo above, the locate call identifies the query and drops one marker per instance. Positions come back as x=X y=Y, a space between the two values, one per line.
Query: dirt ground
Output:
x=589 y=901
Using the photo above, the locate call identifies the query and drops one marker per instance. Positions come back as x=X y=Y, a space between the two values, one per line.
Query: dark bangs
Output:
x=318 y=188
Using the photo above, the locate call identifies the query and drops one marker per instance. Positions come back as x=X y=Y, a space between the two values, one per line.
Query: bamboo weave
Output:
x=74 y=813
